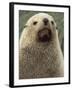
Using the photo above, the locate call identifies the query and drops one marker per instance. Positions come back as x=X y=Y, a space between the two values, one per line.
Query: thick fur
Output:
x=38 y=59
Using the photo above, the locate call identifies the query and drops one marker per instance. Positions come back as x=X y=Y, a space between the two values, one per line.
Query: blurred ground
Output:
x=58 y=16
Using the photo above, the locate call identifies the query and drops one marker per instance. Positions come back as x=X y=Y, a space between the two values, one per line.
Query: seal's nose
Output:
x=45 y=20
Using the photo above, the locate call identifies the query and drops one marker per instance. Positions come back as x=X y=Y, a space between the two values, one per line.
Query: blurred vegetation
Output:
x=58 y=16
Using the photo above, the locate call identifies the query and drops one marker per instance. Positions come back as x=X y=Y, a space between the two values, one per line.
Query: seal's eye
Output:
x=52 y=22
x=35 y=22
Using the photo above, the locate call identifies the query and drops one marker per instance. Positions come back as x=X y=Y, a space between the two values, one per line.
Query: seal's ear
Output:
x=25 y=26
x=56 y=28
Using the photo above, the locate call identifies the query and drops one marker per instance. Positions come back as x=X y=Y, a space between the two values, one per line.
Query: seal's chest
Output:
x=37 y=56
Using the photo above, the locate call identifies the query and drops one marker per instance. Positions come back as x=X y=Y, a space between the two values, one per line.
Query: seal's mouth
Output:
x=44 y=35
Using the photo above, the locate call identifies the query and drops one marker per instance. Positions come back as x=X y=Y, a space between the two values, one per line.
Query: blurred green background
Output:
x=58 y=17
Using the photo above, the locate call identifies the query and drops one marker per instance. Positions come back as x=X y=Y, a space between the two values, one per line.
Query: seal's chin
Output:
x=44 y=35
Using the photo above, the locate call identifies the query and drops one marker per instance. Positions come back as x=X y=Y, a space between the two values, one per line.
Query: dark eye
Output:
x=52 y=22
x=34 y=23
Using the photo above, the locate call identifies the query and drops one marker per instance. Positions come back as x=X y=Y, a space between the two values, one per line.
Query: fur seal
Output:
x=40 y=54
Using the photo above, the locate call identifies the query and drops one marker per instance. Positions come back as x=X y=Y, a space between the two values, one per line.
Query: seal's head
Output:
x=41 y=27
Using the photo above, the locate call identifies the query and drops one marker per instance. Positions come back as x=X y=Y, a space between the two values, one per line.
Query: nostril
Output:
x=45 y=20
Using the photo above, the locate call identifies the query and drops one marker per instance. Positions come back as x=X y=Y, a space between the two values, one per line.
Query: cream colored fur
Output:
x=36 y=59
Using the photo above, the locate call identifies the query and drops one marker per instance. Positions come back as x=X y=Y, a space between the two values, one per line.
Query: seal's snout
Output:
x=45 y=20
x=44 y=35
